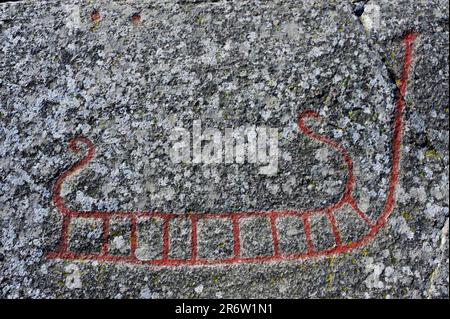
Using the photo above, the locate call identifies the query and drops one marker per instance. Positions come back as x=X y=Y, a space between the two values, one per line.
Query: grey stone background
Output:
x=228 y=63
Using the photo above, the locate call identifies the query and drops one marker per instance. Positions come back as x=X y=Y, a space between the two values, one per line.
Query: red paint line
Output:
x=337 y=147
x=64 y=234
x=194 y=238
x=153 y=214
x=397 y=139
x=307 y=227
x=236 y=237
x=57 y=200
x=334 y=228
x=361 y=214
x=105 y=243
x=166 y=238
x=133 y=236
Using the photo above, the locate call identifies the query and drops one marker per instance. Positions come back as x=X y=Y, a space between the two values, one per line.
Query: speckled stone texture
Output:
x=125 y=74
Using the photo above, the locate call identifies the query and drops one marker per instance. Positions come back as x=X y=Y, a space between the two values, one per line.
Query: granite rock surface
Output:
x=128 y=74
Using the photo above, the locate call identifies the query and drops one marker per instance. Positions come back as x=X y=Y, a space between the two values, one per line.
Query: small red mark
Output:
x=95 y=16
x=347 y=199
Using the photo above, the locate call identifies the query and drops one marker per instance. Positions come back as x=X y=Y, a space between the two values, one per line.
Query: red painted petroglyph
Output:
x=95 y=16
x=235 y=217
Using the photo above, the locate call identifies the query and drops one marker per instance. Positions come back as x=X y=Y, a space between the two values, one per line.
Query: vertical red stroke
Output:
x=408 y=42
x=307 y=228
x=273 y=228
x=166 y=238
x=334 y=228
x=105 y=243
x=194 y=238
